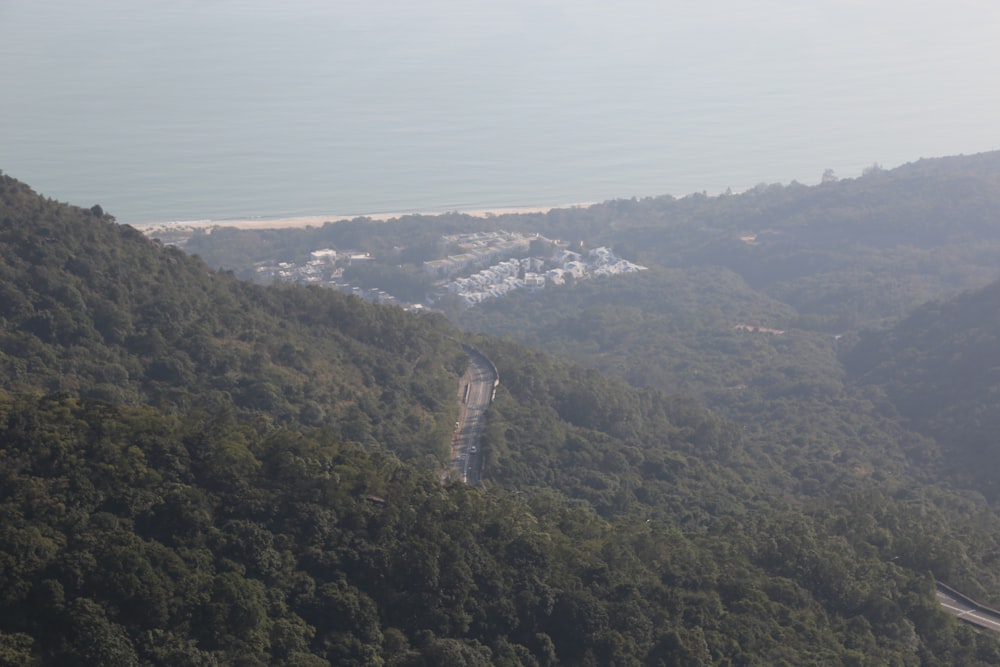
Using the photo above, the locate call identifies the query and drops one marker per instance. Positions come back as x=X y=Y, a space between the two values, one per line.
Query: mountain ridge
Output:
x=244 y=494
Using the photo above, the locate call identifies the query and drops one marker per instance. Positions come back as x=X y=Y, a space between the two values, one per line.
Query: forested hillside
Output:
x=131 y=537
x=843 y=254
x=199 y=471
x=941 y=368
x=97 y=310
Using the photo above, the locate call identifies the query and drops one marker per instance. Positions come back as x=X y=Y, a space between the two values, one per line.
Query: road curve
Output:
x=475 y=393
x=967 y=609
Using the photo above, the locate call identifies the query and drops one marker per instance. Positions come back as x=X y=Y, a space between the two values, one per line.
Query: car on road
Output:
x=472 y=450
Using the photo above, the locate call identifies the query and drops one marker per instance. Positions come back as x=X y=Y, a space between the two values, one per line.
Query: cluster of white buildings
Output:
x=320 y=268
x=499 y=256
x=479 y=249
x=489 y=283
x=323 y=266
x=529 y=273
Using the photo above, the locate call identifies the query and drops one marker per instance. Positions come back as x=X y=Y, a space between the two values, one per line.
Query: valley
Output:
x=476 y=390
x=745 y=453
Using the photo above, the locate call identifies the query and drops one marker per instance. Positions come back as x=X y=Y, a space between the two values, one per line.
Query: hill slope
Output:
x=843 y=254
x=941 y=368
x=196 y=471
x=93 y=308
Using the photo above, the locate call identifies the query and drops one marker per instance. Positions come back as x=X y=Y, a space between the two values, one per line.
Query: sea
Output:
x=181 y=110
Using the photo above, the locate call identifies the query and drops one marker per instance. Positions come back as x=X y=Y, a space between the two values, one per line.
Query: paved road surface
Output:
x=475 y=393
x=968 y=611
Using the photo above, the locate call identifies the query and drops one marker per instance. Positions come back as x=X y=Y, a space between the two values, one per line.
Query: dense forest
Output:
x=941 y=368
x=96 y=310
x=197 y=470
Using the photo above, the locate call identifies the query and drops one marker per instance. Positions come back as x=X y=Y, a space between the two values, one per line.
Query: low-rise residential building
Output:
x=495 y=254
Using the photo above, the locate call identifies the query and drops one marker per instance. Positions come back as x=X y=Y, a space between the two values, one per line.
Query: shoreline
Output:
x=293 y=222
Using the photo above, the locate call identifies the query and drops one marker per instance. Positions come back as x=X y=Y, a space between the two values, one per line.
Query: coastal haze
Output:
x=179 y=111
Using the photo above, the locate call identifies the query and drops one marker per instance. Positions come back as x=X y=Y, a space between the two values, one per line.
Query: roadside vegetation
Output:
x=749 y=454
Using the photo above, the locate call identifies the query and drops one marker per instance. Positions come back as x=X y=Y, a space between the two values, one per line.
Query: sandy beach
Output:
x=320 y=220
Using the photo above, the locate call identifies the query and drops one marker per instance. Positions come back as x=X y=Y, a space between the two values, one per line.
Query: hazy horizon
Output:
x=237 y=108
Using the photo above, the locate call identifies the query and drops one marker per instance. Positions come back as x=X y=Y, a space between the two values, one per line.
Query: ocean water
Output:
x=221 y=109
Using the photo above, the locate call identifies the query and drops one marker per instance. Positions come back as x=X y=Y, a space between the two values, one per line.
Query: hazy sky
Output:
x=736 y=92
